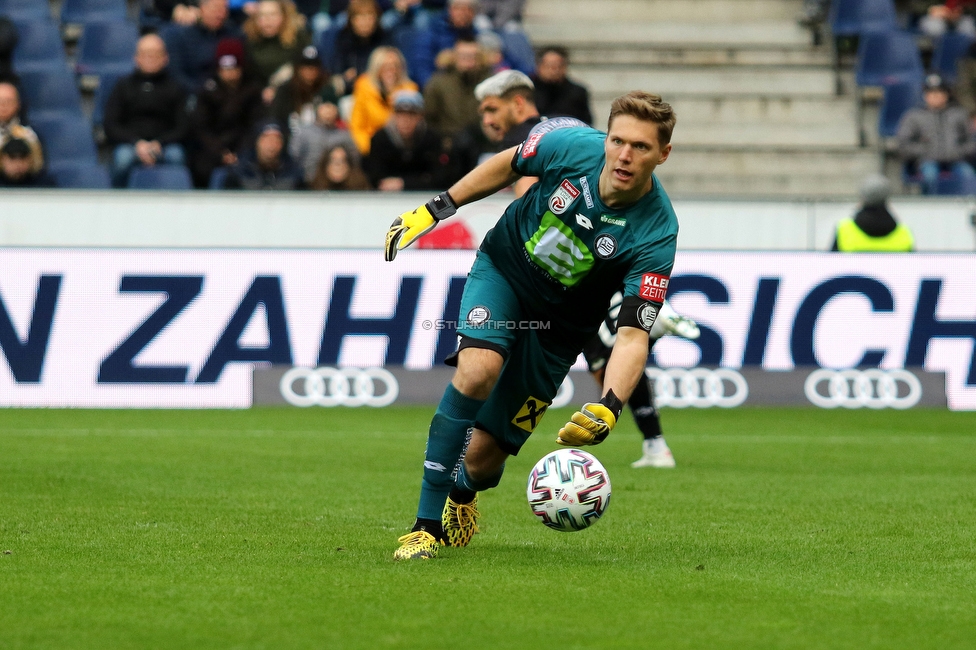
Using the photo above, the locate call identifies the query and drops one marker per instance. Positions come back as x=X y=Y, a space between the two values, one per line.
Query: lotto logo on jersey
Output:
x=654 y=287
x=563 y=197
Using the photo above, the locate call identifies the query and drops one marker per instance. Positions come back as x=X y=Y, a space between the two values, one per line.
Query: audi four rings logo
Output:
x=698 y=387
x=854 y=389
x=339 y=387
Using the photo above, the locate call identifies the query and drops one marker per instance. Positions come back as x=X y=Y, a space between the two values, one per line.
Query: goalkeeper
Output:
x=539 y=288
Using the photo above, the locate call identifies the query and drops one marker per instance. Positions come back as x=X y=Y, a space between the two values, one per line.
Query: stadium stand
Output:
x=67 y=141
x=898 y=98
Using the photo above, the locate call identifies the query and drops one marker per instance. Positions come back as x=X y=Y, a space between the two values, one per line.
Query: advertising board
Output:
x=186 y=328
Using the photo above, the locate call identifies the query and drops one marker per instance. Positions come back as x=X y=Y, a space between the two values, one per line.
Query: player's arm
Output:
x=484 y=180
x=593 y=423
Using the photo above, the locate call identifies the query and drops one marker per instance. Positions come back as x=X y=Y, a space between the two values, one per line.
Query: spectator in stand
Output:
x=276 y=35
x=356 y=41
x=145 y=115
x=309 y=142
x=936 y=138
x=340 y=170
x=192 y=48
x=11 y=127
x=953 y=15
x=8 y=41
x=407 y=155
x=268 y=166
x=373 y=94
x=873 y=228
x=297 y=101
x=16 y=166
x=457 y=21
x=226 y=111
x=555 y=94
x=449 y=95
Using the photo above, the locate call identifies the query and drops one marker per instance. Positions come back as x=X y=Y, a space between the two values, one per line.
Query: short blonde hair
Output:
x=647 y=107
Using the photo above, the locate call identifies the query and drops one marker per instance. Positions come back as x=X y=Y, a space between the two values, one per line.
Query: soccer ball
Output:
x=568 y=490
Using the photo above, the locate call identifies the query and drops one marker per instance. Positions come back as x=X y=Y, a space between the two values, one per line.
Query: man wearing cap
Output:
x=145 y=115
x=16 y=166
x=937 y=139
x=226 y=111
x=11 y=127
x=268 y=166
x=406 y=154
x=873 y=228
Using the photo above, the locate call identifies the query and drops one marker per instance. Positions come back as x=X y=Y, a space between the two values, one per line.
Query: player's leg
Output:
x=527 y=385
x=479 y=361
x=656 y=452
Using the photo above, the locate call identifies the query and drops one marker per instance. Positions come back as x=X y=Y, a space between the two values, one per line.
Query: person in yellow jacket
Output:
x=373 y=94
x=873 y=228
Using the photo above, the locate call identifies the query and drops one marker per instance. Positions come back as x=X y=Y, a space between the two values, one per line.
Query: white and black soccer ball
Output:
x=568 y=490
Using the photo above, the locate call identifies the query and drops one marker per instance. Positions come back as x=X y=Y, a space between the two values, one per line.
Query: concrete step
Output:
x=745 y=121
x=699 y=55
x=701 y=161
x=655 y=11
x=574 y=32
x=609 y=81
x=779 y=186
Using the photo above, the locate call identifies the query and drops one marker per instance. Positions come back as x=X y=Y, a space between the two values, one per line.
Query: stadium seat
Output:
x=855 y=17
x=217 y=178
x=65 y=138
x=888 y=58
x=52 y=92
x=39 y=47
x=955 y=185
x=947 y=52
x=160 y=177
x=106 y=83
x=107 y=48
x=25 y=10
x=898 y=98
x=81 y=176
x=89 y=11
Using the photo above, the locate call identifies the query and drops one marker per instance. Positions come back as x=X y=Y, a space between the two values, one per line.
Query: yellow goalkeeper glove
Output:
x=410 y=226
x=592 y=424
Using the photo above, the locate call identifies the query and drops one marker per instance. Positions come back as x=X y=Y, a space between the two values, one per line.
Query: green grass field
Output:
x=275 y=528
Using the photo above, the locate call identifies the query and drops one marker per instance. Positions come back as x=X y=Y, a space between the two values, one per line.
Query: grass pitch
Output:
x=275 y=528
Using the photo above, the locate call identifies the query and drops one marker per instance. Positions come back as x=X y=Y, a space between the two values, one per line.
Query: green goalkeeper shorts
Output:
x=491 y=317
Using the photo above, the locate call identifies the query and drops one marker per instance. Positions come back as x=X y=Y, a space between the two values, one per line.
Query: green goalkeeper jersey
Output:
x=563 y=251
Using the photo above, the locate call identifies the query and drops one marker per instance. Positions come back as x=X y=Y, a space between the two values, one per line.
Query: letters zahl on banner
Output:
x=165 y=328
x=654 y=287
